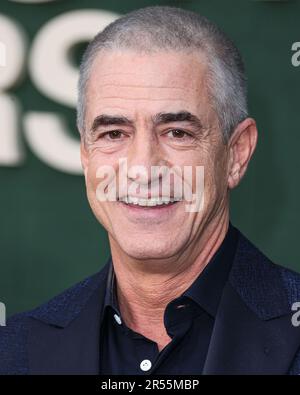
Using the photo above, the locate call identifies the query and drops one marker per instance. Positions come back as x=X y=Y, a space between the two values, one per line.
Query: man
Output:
x=184 y=291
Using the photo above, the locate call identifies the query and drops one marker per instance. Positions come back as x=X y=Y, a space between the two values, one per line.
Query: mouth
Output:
x=152 y=203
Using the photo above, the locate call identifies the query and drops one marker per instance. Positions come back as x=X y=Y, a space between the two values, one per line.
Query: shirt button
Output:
x=182 y=306
x=145 y=365
x=118 y=319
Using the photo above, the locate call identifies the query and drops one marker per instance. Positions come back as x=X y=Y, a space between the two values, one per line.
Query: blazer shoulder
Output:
x=63 y=308
x=13 y=340
x=291 y=281
x=58 y=311
x=290 y=278
x=268 y=288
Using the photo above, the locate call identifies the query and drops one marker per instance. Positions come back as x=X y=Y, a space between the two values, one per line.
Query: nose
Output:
x=143 y=153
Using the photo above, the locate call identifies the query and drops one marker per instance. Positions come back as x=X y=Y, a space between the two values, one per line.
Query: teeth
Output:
x=147 y=202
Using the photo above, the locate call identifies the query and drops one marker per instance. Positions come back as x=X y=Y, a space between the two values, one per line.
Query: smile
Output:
x=152 y=202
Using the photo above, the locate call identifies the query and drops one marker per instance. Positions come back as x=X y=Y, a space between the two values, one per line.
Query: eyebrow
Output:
x=158 y=119
x=181 y=116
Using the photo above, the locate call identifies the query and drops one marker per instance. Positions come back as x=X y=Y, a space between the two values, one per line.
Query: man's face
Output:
x=138 y=89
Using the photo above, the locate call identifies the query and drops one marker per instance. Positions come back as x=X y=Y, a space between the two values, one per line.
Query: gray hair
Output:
x=170 y=28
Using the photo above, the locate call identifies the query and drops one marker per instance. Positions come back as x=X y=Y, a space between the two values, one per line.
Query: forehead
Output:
x=133 y=82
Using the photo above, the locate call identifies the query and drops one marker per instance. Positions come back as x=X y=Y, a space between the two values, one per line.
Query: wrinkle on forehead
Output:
x=103 y=85
x=141 y=92
x=120 y=79
x=118 y=91
x=138 y=90
x=163 y=70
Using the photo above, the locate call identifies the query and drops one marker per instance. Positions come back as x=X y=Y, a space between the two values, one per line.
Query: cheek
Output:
x=215 y=176
x=98 y=166
x=91 y=179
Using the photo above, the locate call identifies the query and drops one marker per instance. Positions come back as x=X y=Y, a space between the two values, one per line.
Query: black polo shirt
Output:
x=188 y=319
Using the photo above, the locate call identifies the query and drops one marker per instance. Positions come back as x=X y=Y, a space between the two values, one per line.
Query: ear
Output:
x=84 y=157
x=241 y=145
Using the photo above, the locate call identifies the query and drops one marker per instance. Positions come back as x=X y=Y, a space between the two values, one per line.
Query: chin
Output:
x=150 y=248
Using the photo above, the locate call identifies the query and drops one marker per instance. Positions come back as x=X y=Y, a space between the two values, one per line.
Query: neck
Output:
x=143 y=293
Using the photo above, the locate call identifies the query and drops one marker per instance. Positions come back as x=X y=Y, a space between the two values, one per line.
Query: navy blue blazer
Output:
x=253 y=333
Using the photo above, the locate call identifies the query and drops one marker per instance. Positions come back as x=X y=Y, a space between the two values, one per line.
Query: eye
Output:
x=112 y=135
x=178 y=134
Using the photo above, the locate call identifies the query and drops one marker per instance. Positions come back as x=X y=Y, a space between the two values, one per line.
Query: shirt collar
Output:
x=207 y=289
x=110 y=298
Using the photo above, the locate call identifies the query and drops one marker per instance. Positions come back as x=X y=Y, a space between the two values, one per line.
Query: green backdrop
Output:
x=49 y=238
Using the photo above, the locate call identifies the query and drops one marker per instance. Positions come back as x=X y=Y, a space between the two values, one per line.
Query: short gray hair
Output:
x=170 y=28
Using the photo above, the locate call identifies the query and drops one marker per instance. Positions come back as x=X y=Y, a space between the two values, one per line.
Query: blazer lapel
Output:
x=253 y=333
